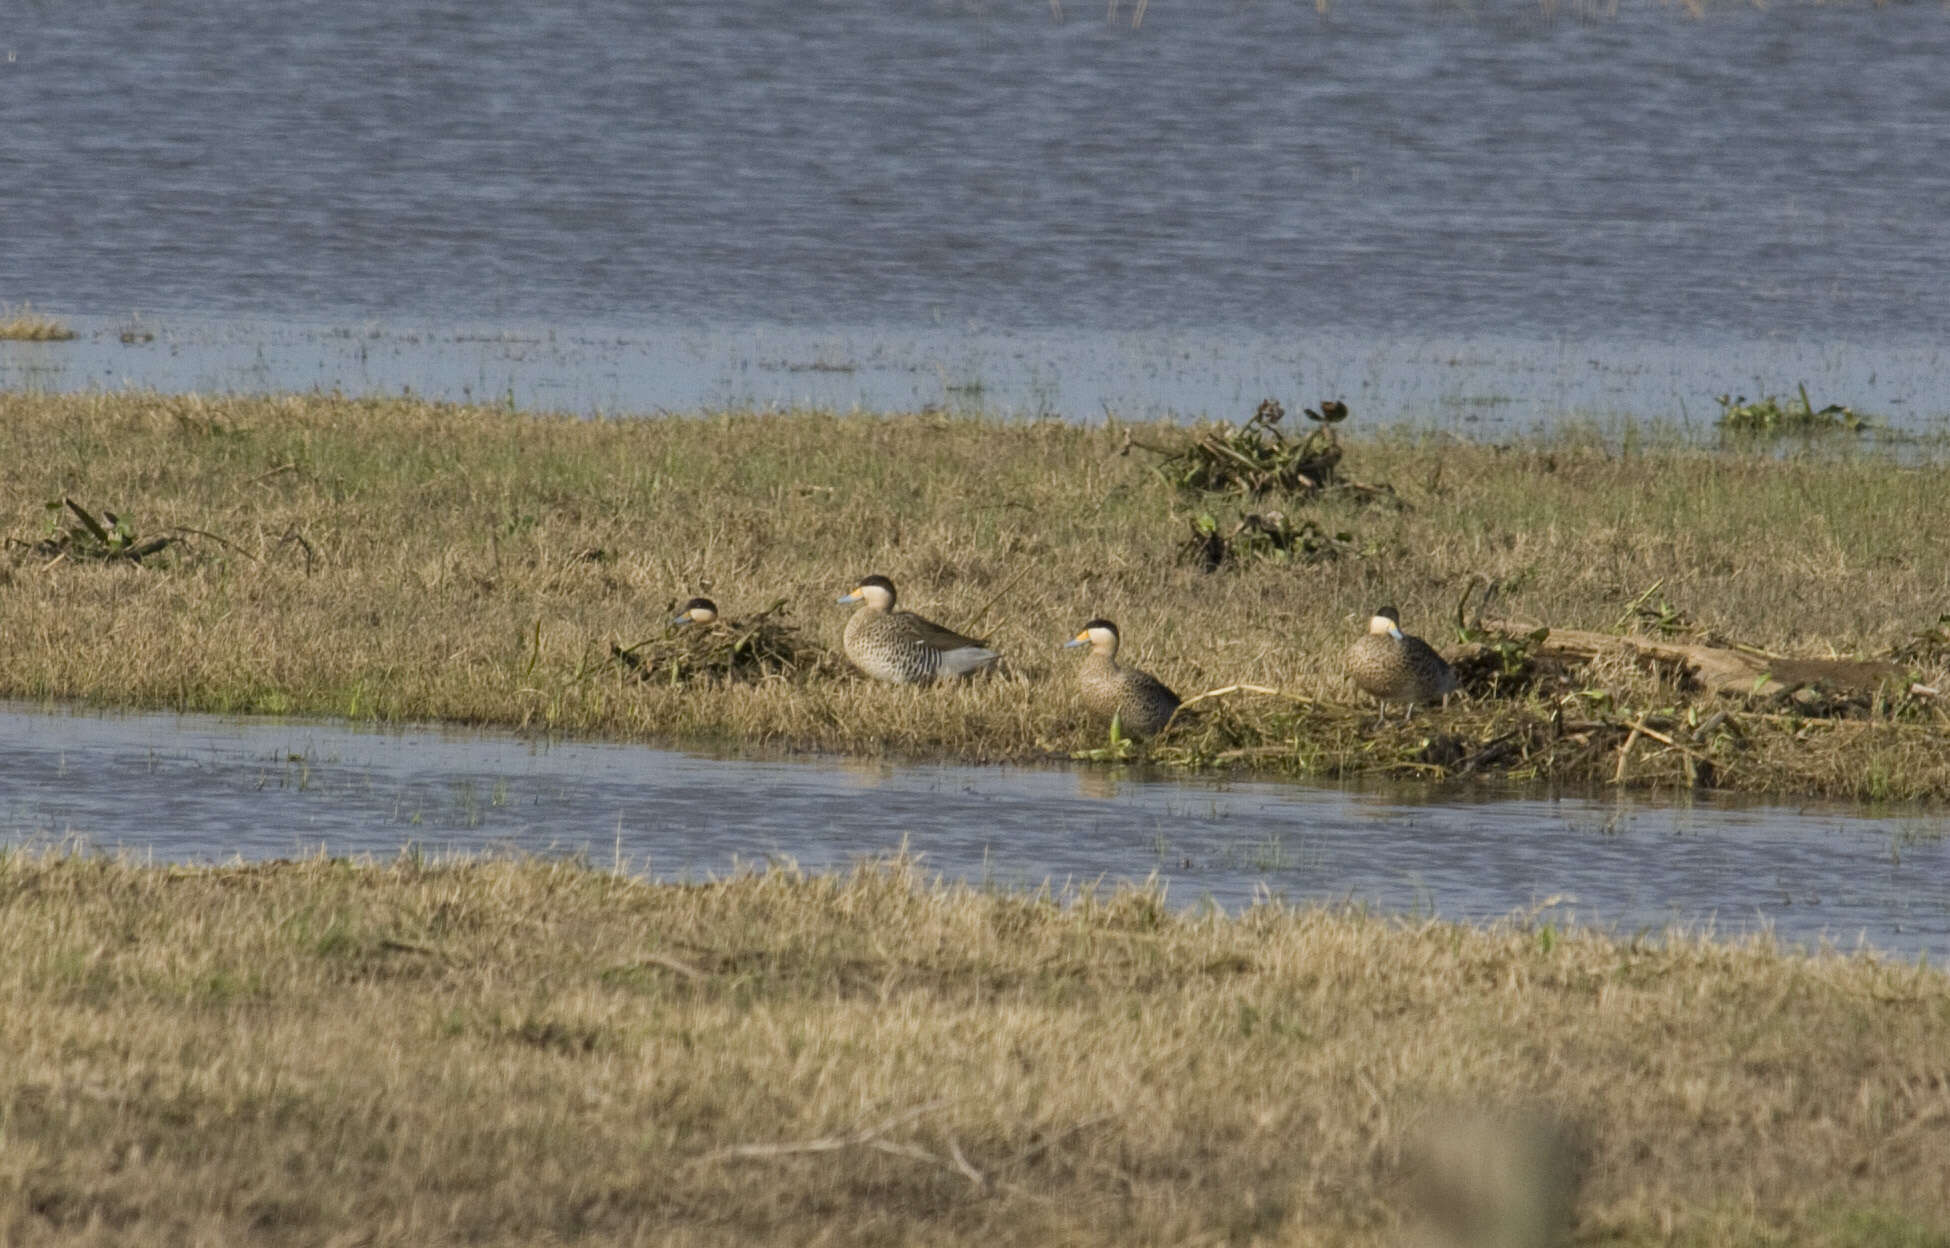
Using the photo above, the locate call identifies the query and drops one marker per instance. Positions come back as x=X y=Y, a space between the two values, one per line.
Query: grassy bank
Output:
x=404 y=560
x=517 y=1052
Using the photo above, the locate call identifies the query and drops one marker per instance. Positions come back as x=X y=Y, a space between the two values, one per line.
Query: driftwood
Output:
x=1717 y=669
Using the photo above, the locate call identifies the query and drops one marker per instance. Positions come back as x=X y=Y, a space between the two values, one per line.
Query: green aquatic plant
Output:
x=1771 y=417
x=1255 y=459
x=1117 y=747
x=75 y=532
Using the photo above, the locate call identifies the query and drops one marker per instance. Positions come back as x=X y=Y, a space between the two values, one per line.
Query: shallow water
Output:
x=1482 y=218
x=1476 y=386
x=200 y=788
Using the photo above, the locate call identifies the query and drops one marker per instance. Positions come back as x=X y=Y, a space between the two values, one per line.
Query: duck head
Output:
x=697 y=611
x=1099 y=634
x=876 y=591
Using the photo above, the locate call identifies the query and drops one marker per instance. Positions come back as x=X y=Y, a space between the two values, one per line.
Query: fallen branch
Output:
x=865 y=1137
x=1718 y=669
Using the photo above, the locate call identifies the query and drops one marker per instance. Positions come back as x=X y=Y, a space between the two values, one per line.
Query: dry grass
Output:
x=23 y=324
x=518 y=1052
x=404 y=560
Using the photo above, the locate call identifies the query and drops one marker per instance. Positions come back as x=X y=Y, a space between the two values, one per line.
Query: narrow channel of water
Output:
x=201 y=789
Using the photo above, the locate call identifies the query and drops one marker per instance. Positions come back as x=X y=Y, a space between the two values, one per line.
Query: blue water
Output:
x=1478 y=218
x=205 y=789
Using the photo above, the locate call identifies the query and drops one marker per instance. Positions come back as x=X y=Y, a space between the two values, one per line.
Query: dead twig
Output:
x=1229 y=689
x=278 y=471
x=293 y=535
x=865 y=1137
x=1625 y=750
x=184 y=528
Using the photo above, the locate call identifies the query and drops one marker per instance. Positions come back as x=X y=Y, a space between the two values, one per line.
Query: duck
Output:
x=1139 y=701
x=1392 y=666
x=697 y=611
x=901 y=647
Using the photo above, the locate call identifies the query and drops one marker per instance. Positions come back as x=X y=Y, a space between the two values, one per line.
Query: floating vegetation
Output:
x=759 y=647
x=1772 y=417
x=1269 y=537
x=1256 y=459
x=24 y=325
x=73 y=532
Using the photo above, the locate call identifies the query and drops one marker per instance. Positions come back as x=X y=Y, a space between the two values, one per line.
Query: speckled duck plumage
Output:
x=1392 y=666
x=903 y=648
x=1139 y=700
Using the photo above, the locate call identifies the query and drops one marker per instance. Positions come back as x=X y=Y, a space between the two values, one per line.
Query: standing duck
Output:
x=1138 y=700
x=1392 y=666
x=901 y=647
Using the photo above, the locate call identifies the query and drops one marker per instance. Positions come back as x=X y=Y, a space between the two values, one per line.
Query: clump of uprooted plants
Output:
x=1270 y=536
x=1257 y=459
x=1591 y=738
x=1227 y=464
x=1585 y=709
x=748 y=649
x=1771 y=417
x=74 y=532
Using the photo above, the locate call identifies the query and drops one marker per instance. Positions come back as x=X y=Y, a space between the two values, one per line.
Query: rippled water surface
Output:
x=198 y=788
x=1482 y=217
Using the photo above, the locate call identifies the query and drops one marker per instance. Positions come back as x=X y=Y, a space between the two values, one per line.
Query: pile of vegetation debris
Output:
x=751 y=649
x=74 y=532
x=1257 y=459
x=1270 y=536
x=1223 y=467
x=1828 y=687
x=1589 y=740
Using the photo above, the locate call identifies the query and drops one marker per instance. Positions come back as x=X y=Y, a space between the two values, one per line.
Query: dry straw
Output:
x=23 y=324
x=514 y=1052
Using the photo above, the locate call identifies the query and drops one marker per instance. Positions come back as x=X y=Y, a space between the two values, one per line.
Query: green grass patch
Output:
x=392 y=560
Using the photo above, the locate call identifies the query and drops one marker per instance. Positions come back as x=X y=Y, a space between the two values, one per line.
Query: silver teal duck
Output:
x=903 y=648
x=697 y=611
x=1139 y=701
x=1391 y=666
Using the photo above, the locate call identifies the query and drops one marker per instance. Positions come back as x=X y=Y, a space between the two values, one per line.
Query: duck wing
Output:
x=1145 y=685
x=934 y=635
